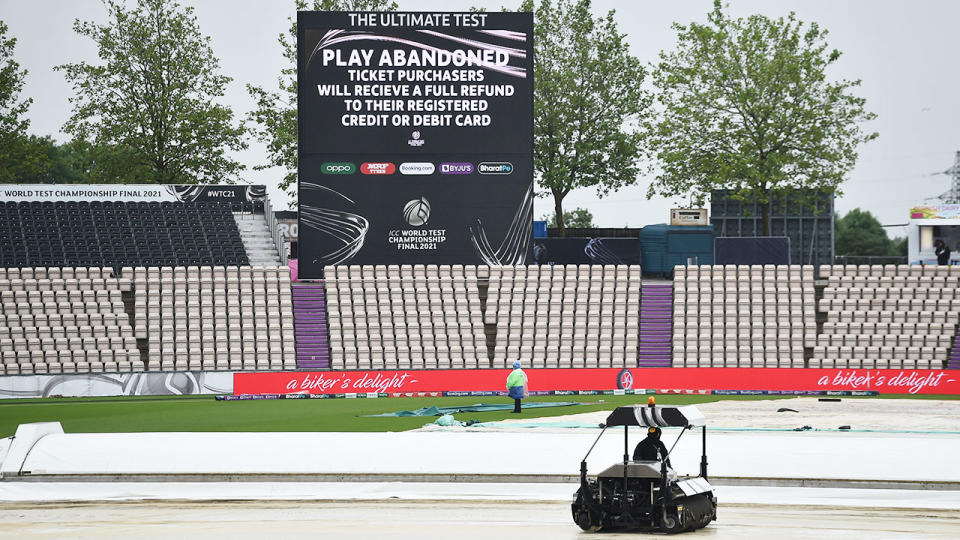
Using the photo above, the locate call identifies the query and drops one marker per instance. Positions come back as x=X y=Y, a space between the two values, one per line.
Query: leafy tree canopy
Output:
x=899 y=246
x=578 y=218
x=274 y=122
x=859 y=233
x=587 y=101
x=51 y=163
x=745 y=104
x=17 y=154
x=153 y=96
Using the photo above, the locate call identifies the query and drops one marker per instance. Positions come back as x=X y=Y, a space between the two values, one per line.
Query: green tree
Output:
x=53 y=163
x=79 y=161
x=898 y=246
x=860 y=233
x=745 y=105
x=587 y=101
x=275 y=118
x=154 y=96
x=578 y=218
x=17 y=154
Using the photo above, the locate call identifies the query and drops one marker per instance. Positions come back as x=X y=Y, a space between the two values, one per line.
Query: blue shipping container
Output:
x=664 y=246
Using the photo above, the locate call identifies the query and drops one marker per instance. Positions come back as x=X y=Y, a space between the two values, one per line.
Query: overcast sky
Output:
x=906 y=53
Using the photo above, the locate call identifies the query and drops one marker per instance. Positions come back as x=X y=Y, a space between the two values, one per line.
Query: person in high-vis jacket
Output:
x=652 y=448
x=517 y=385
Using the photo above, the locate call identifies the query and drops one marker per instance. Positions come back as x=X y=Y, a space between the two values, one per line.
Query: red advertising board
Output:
x=884 y=381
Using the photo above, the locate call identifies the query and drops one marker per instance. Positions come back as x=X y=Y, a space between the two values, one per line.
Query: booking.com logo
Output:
x=338 y=167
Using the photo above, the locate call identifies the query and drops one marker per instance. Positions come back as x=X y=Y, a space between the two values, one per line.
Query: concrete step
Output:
x=257 y=240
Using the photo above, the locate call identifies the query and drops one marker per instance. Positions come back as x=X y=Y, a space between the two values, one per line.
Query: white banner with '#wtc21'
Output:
x=130 y=193
x=117 y=384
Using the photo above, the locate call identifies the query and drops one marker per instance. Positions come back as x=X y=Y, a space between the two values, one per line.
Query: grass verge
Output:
x=203 y=413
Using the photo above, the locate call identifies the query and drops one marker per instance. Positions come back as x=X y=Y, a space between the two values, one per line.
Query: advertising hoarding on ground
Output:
x=769 y=380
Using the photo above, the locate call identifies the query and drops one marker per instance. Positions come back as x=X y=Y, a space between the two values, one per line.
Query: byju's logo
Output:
x=417 y=168
x=415 y=140
x=338 y=167
x=378 y=168
x=495 y=167
x=456 y=168
x=417 y=212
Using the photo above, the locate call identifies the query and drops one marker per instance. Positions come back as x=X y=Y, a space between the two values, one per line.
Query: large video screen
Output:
x=415 y=138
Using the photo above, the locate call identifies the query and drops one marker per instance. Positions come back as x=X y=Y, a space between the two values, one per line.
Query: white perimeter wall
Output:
x=117 y=384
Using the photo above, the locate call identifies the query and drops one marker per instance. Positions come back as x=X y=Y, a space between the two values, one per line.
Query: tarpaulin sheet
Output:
x=479 y=407
x=817 y=455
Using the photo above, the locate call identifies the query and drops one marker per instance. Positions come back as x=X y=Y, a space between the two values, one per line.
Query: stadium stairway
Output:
x=129 y=306
x=953 y=362
x=310 y=325
x=656 y=326
x=256 y=239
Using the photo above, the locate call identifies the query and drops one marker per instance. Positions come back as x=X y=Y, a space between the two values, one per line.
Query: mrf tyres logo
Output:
x=337 y=167
x=495 y=167
x=625 y=379
x=417 y=212
x=378 y=168
x=415 y=139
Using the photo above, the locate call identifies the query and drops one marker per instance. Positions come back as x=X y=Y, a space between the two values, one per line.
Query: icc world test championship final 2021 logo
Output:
x=417 y=212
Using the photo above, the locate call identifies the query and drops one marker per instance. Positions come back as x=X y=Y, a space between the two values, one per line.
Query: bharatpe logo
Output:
x=378 y=168
x=416 y=140
x=417 y=212
x=456 y=168
x=495 y=167
x=625 y=379
x=417 y=168
x=338 y=167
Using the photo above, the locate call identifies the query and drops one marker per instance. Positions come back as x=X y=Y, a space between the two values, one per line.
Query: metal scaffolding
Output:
x=953 y=196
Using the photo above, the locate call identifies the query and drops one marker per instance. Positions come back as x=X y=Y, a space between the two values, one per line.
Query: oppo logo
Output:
x=417 y=168
x=338 y=167
x=495 y=167
x=378 y=168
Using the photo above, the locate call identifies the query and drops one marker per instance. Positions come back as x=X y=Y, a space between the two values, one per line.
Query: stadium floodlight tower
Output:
x=646 y=495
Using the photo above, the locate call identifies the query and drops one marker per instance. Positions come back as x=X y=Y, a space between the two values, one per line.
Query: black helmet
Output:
x=653 y=432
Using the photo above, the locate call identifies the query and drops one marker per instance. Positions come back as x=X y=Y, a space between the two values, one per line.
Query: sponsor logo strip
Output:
x=619 y=392
x=417 y=168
